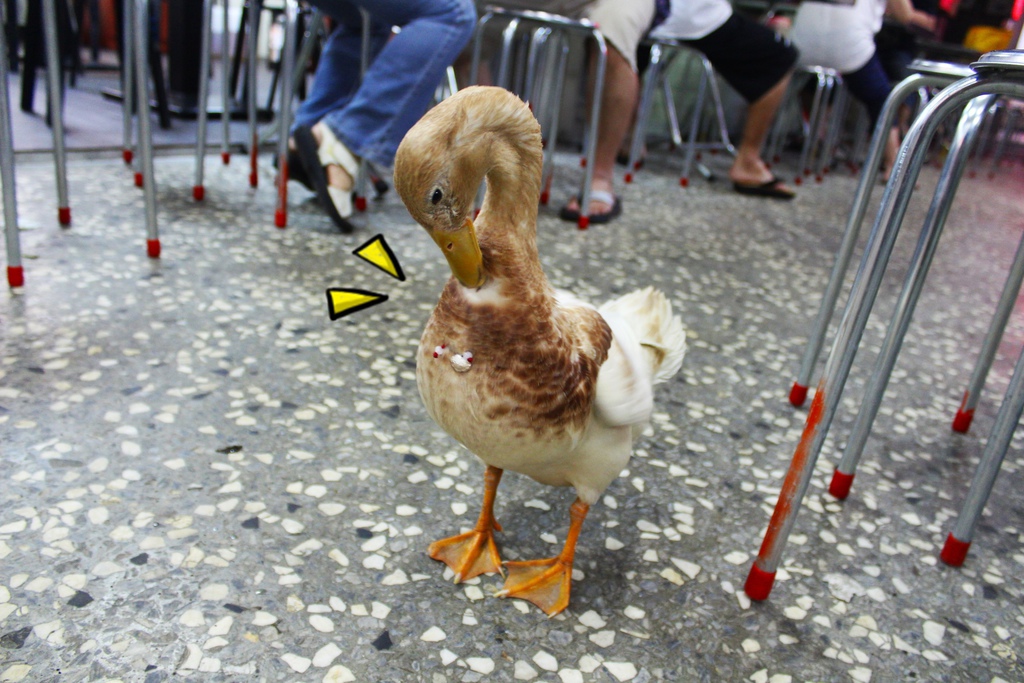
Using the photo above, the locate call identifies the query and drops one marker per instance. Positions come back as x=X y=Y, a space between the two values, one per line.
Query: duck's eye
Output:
x=436 y=197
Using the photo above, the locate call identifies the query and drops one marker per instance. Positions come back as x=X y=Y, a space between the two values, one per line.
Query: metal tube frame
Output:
x=291 y=14
x=255 y=10
x=15 y=271
x=206 y=47
x=880 y=242
x=141 y=41
x=53 y=80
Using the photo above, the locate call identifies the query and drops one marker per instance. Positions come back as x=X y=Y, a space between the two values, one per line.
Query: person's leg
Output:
x=749 y=167
x=758 y=63
x=870 y=85
x=400 y=82
x=623 y=25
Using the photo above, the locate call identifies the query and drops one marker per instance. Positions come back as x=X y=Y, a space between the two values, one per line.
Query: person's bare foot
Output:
x=752 y=176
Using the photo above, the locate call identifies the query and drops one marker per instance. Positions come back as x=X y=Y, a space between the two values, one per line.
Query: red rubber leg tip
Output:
x=991 y=175
x=798 y=180
x=684 y=182
x=759 y=583
x=64 y=215
x=198 y=192
x=628 y=178
x=583 y=223
x=583 y=162
x=962 y=421
x=839 y=487
x=798 y=394
x=153 y=248
x=544 y=197
x=818 y=178
x=637 y=165
x=254 y=180
x=807 y=171
x=955 y=551
x=476 y=212
x=15 y=276
x=280 y=218
x=360 y=203
x=225 y=157
x=127 y=156
x=826 y=170
x=138 y=180
x=776 y=159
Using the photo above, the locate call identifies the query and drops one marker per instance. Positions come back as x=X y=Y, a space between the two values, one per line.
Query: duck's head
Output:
x=478 y=132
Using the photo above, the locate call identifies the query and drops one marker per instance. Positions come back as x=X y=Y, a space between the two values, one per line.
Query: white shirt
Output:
x=840 y=37
x=692 y=19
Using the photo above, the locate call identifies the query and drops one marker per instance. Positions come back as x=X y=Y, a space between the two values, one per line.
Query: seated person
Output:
x=623 y=24
x=347 y=117
x=755 y=61
x=842 y=37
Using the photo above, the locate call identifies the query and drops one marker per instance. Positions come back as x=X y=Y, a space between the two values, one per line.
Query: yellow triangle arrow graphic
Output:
x=342 y=302
x=377 y=252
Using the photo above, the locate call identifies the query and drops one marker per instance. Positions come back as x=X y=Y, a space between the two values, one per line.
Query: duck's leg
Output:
x=474 y=552
x=546 y=583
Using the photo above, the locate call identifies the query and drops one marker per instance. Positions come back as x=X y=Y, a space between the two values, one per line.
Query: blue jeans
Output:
x=371 y=115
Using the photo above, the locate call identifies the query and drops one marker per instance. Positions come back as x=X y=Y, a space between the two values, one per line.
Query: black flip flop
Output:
x=770 y=188
x=573 y=215
x=306 y=149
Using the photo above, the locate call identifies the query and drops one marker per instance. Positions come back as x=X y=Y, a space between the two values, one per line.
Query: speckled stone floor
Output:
x=204 y=478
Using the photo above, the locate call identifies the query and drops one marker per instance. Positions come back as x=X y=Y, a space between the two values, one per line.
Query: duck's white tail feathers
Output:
x=660 y=333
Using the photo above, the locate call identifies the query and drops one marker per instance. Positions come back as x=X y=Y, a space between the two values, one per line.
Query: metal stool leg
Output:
x=225 y=88
x=594 y=121
x=127 y=81
x=359 y=182
x=141 y=41
x=812 y=128
x=883 y=235
x=959 y=155
x=965 y=414
x=834 y=127
x=15 y=271
x=691 y=142
x=556 y=109
x=198 y=192
x=868 y=174
x=716 y=101
x=954 y=552
x=291 y=14
x=53 y=79
x=255 y=9
x=650 y=82
x=1009 y=126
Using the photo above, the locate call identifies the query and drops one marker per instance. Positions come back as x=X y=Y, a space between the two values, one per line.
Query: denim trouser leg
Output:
x=371 y=118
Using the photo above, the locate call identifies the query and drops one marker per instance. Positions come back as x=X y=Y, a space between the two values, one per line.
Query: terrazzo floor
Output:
x=204 y=478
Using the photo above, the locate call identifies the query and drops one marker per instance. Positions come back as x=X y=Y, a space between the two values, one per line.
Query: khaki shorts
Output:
x=622 y=22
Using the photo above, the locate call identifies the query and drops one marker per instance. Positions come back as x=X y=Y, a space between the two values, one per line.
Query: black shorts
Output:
x=750 y=57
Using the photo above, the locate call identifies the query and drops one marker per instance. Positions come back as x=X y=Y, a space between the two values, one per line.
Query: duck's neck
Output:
x=507 y=224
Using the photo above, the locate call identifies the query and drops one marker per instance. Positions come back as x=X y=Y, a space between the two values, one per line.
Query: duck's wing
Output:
x=624 y=389
x=623 y=394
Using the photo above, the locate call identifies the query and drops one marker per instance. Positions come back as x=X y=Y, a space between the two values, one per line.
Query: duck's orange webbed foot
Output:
x=469 y=554
x=545 y=583
x=474 y=552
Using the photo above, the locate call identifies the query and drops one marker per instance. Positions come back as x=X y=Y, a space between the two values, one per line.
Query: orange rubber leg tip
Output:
x=15 y=276
x=583 y=223
x=628 y=178
x=955 y=551
x=198 y=192
x=798 y=394
x=962 y=421
x=759 y=583
x=360 y=204
x=127 y=156
x=839 y=487
x=225 y=157
x=253 y=180
x=138 y=180
x=64 y=215
x=544 y=197
x=153 y=248
x=280 y=218
x=684 y=182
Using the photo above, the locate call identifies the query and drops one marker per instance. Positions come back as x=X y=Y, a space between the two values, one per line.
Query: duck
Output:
x=528 y=378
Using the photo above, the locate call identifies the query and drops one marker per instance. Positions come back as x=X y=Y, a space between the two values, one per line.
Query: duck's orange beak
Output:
x=462 y=250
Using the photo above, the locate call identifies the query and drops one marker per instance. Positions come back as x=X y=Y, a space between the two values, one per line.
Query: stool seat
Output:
x=948 y=70
x=544 y=18
x=1002 y=60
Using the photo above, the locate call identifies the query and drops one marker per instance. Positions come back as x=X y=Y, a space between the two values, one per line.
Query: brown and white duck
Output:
x=528 y=378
